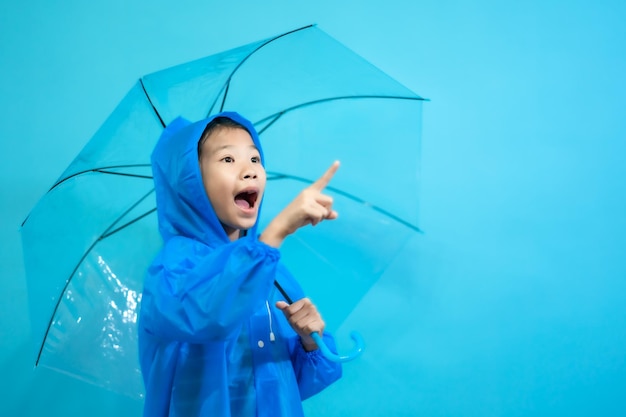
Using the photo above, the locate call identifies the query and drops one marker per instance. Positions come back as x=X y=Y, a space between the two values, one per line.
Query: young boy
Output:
x=215 y=336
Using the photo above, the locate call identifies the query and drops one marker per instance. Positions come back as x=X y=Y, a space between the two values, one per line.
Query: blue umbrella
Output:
x=89 y=240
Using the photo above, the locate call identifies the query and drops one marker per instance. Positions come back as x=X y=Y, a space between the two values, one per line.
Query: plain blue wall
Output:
x=517 y=306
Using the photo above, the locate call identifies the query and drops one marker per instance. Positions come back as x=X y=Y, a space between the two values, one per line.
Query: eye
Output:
x=256 y=159
x=228 y=159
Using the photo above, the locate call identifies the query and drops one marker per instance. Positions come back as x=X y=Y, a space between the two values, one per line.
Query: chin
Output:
x=246 y=225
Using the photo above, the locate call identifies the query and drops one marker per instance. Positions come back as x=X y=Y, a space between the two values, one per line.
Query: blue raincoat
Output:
x=211 y=341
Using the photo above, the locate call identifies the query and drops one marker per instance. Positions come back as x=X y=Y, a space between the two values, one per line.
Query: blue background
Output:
x=518 y=304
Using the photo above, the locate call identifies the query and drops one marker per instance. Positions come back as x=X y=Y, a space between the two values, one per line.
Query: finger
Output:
x=288 y=309
x=323 y=181
x=304 y=313
x=299 y=305
x=281 y=305
x=324 y=200
x=315 y=214
x=310 y=323
x=323 y=215
x=313 y=326
x=297 y=308
x=327 y=202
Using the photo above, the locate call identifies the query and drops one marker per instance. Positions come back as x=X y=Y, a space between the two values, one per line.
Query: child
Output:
x=211 y=342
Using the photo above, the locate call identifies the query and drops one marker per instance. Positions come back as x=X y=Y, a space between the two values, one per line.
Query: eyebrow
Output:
x=231 y=146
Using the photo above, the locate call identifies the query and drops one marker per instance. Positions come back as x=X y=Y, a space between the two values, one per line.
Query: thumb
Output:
x=281 y=305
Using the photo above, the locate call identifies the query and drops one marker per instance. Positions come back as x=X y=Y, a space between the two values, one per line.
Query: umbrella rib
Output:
x=143 y=87
x=95 y=242
x=227 y=83
x=108 y=232
x=278 y=176
x=56 y=307
x=215 y=101
x=124 y=174
x=136 y=219
x=324 y=100
x=225 y=89
x=103 y=170
x=276 y=117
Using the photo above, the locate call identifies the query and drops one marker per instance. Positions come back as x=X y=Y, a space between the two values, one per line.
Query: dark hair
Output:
x=217 y=124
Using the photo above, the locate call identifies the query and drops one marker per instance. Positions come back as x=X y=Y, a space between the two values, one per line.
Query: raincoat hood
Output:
x=184 y=207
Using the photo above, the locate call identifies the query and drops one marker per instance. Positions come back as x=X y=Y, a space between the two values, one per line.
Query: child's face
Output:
x=233 y=178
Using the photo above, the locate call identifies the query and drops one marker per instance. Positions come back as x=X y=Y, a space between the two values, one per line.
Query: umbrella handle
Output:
x=359 y=345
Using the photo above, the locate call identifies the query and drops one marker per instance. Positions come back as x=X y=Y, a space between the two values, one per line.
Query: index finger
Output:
x=323 y=181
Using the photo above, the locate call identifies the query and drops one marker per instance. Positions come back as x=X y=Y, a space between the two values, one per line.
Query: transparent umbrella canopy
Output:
x=89 y=240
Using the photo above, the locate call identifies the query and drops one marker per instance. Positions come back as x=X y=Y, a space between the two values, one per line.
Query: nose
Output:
x=249 y=173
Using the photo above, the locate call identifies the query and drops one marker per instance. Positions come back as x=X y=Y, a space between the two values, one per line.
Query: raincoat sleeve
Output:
x=196 y=294
x=313 y=370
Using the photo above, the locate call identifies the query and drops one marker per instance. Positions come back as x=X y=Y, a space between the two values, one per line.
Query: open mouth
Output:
x=246 y=199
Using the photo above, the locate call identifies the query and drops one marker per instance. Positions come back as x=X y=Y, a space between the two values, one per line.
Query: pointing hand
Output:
x=311 y=206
